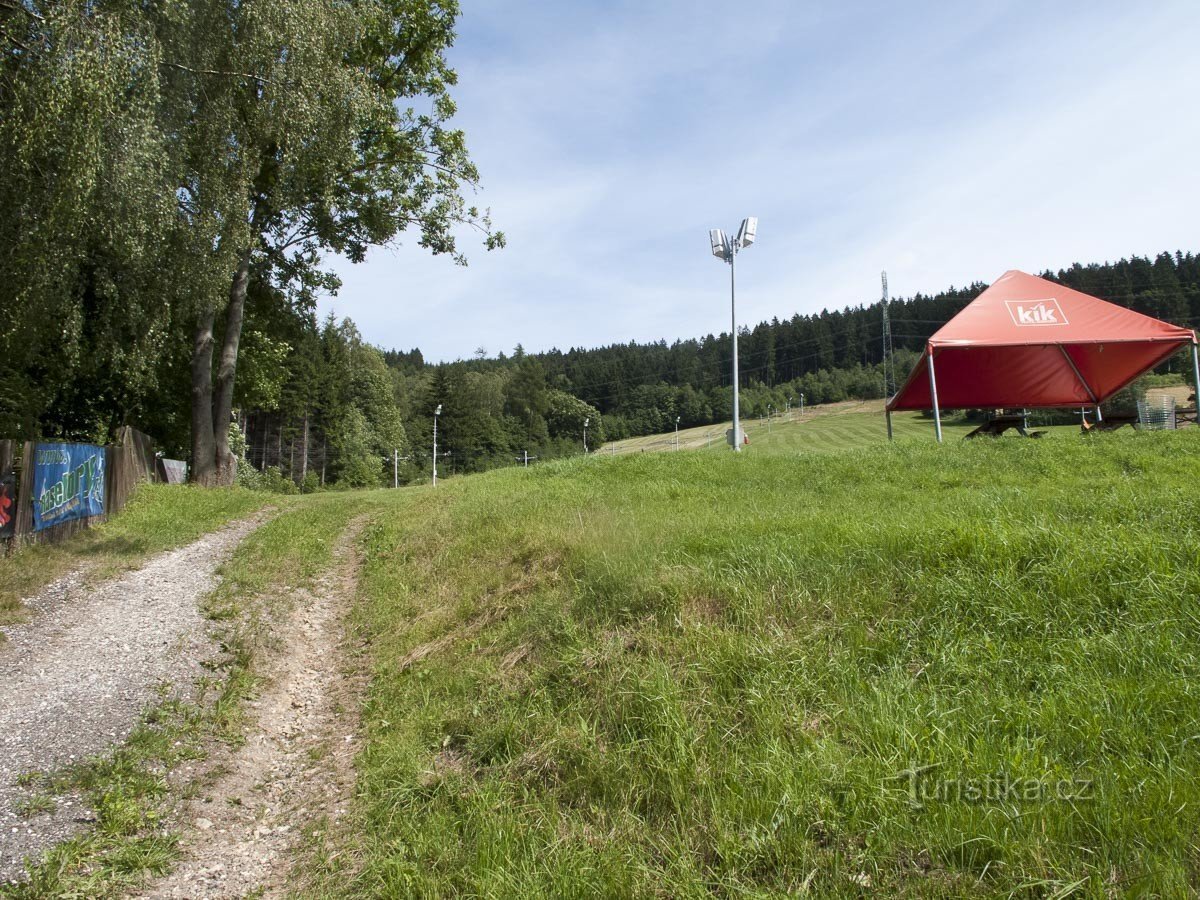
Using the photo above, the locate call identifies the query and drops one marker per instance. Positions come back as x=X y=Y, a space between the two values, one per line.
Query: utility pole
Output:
x=437 y=412
x=889 y=363
x=396 y=457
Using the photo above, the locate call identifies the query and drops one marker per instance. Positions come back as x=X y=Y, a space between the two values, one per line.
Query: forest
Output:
x=320 y=406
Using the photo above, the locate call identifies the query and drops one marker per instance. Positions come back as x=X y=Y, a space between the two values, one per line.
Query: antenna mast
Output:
x=889 y=364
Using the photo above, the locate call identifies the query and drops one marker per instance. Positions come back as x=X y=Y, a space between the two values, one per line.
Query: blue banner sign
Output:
x=68 y=483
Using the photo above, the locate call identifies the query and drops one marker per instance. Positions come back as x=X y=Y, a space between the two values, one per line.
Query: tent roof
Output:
x=1028 y=342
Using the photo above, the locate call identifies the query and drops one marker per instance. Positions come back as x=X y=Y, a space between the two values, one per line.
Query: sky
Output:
x=942 y=142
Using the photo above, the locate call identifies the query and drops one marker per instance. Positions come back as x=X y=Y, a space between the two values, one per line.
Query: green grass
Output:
x=158 y=517
x=704 y=674
x=831 y=428
x=129 y=789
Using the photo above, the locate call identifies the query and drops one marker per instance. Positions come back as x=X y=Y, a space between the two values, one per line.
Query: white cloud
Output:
x=946 y=147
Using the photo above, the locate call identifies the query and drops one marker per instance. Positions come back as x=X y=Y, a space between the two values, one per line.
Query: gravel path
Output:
x=294 y=774
x=76 y=679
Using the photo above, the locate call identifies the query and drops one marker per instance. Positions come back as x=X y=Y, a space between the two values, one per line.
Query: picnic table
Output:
x=997 y=425
x=1112 y=422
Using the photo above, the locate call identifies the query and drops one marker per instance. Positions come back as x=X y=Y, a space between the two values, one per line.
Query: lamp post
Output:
x=801 y=404
x=437 y=412
x=586 y=422
x=727 y=250
x=677 y=432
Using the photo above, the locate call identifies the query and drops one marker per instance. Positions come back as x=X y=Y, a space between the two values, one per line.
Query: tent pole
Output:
x=888 y=413
x=1087 y=387
x=1196 y=373
x=1099 y=415
x=937 y=413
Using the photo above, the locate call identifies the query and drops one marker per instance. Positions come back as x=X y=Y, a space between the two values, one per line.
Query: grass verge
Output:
x=952 y=671
x=130 y=790
x=158 y=517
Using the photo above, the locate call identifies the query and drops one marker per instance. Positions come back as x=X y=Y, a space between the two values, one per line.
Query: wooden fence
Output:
x=127 y=463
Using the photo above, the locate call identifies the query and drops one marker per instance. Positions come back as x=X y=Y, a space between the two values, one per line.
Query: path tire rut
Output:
x=295 y=768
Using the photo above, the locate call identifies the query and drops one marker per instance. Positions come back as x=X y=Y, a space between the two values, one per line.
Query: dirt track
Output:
x=295 y=767
x=77 y=677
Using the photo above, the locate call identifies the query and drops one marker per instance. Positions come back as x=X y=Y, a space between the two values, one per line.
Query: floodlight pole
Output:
x=677 y=432
x=737 y=431
x=586 y=422
x=937 y=413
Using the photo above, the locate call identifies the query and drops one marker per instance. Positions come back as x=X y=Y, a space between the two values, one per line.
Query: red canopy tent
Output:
x=1030 y=343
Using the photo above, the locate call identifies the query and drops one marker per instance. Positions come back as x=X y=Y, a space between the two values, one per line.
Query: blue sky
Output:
x=943 y=142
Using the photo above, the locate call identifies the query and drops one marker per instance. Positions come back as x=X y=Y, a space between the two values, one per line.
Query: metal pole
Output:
x=1196 y=377
x=1099 y=415
x=395 y=468
x=888 y=412
x=937 y=413
x=737 y=430
x=435 y=418
x=585 y=439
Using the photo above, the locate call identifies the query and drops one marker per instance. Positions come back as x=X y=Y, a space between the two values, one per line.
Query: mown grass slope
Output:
x=966 y=670
x=831 y=428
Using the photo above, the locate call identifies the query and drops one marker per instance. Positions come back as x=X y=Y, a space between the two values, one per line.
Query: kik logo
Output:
x=1036 y=312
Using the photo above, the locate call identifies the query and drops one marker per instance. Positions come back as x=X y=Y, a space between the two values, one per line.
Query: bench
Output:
x=997 y=425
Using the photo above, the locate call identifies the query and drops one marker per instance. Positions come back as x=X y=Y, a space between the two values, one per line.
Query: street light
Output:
x=677 y=432
x=586 y=422
x=437 y=412
x=801 y=404
x=727 y=250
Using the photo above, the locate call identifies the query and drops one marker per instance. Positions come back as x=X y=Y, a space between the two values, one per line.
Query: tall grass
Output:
x=697 y=674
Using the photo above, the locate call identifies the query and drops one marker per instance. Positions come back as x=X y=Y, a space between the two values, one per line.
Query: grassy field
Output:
x=157 y=518
x=956 y=671
x=820 y=429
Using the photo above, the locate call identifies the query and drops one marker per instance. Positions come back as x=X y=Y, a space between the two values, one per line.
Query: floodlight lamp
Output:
x=720 y=243
x=747 y=232
x=587 y=422
x=677 y=420
x=438 y=411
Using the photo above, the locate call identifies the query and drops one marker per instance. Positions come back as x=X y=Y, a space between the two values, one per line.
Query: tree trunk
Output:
x=226 y=462
x=203 y=450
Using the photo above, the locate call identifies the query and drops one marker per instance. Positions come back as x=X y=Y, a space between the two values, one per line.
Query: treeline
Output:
x=828 y=356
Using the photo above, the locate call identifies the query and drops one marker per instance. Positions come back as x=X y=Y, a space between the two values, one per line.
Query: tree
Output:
x=82 y=206
x=292 y=131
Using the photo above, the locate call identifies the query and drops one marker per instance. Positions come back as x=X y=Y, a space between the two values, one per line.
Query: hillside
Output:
x=962 y=670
